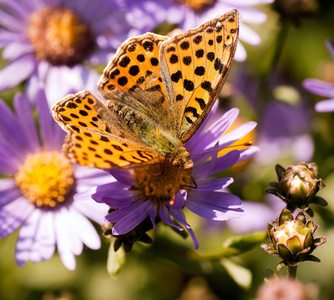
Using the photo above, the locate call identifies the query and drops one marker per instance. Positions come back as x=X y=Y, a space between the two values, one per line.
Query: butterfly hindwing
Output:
x=195 y=66
x=95 y=137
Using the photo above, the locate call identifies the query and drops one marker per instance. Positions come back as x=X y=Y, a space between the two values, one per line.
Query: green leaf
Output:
x=319 y=201
x=246 y=242
x=279 y=169
x=232 y=247
x=284 y=216
x=115 y=261
x=241 y=275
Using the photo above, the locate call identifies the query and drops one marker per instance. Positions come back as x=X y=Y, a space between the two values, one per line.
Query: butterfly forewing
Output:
x=133 y=77
x=95 y=137
x=195 y=66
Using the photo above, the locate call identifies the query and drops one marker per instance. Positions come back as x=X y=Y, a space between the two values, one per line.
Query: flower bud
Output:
x=292 y=239
x=293 y=10
x=298 y=185
x=282 y=288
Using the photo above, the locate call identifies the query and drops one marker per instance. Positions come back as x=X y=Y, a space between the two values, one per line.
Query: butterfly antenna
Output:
x=172 y=201
x=246 y=144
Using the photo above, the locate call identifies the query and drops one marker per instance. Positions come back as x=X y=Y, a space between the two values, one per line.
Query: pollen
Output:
x=160 y=182
x=59 y=36
x=45 y=178
x=197 y=5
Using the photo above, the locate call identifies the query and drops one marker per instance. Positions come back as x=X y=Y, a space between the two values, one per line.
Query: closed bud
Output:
x=292 y=239
x=298 y=185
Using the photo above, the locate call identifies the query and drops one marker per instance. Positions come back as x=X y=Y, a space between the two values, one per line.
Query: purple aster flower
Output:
x=164 y=191
x=190 y=14
x=37 y=193
x=58 y=34
x=322 y=88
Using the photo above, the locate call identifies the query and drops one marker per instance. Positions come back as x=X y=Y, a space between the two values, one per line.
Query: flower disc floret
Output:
x=160 y=183
x=59 y=36
x=45 y=178
x=197 y=5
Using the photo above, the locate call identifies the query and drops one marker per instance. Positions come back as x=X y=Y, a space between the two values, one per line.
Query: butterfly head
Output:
x=183 y=159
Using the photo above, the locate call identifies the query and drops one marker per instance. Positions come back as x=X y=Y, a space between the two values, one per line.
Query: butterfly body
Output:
x=158 y=92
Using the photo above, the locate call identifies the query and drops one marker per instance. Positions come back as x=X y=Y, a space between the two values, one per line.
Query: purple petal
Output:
x=11 y=22
x=115 y=195
x=248 y=35
x=179 y=216
x=26 y=239
x=85 y=231
x=248 y=153
x=236 y=134
x=18 y=8
x=92 y=210
x=240 y=54
x=123 y=176
x=210 y=135
x=8 y=161
x=165 y=217
x=215 y=184
x=214 y=205
x=12 y=139
x=133 y=217
x=222 y=163
x=17 y=71
x=319 y=87
x=37 y=238
x=325 y=106
x=118 y=214
x=17 y=49
x=8 y=191
x=26 y=123
x=46 y=236
x=152 y=215
x=179 y=200
x=13 y=215
x=52 y=135
x=68 y=243
x=193 y=142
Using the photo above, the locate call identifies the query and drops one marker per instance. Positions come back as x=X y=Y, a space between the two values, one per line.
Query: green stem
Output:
x=291 y=272
x=279 y=44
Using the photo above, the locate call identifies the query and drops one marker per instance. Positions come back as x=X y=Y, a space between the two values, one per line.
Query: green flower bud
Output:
x=298 y=186
x=292 y=239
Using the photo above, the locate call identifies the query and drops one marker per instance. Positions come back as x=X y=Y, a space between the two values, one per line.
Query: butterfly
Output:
x=158 y=91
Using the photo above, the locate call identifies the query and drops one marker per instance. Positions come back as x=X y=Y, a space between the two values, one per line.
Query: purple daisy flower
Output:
x=55 y=35
x=164 y=191
x=322 y=88
x=190 y=14
x=37 y=193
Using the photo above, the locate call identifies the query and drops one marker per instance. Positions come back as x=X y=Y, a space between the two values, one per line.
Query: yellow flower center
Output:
x=197 y=5
x=59 y=36
x=45 y=178
x=160 y=183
